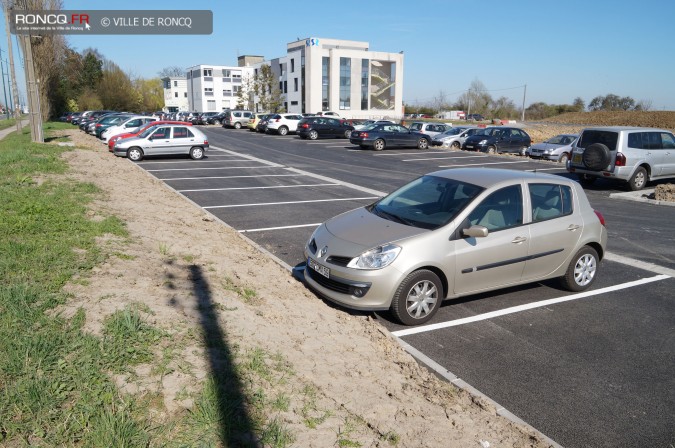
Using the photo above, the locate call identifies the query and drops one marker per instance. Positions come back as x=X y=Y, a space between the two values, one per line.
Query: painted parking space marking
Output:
x=214 y=168
x=203 y=161
x=264 y=229
x=260 y=204
x=409 y=153
x=546 y=169
x=528 y=306
x=481 y=164
x=232 y=177
x=258 y=188
x=441 y=158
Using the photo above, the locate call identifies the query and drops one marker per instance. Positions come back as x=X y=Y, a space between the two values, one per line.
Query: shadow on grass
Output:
x=226 y=392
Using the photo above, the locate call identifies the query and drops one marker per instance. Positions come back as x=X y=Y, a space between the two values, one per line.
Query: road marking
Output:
x=280 y=228
x=441 y=158
x=231 y=177
x=337 y=181
x=290 y=202
x=546 y=169
x=216 y=168
x=258 y=188
x=639 y=264
x=148 y=162
x=481 y=164
x=528 y=306
x=410 y=153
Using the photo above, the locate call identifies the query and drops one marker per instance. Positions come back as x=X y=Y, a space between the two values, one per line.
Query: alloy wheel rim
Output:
x=421 y=299
x=584 y=270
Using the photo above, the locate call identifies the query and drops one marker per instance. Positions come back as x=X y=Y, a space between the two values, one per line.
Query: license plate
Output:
x=576 y=158
x=323 y=270
x=469 y=146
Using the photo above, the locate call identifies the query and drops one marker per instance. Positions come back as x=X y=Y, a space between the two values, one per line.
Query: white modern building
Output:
x=175 y=94
x=315 y=75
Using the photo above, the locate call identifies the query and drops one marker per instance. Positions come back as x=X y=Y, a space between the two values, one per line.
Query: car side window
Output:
x=180 y=132
x=550 y=201
x=667 y=141
x=162 y=133
x=500 y=210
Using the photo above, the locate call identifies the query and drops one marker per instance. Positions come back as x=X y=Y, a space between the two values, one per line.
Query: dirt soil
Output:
x=650 y=119
x=180 y=259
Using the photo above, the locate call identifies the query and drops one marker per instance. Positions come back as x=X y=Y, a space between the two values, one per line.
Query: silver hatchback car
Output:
x=453 y=233
x=164 y=139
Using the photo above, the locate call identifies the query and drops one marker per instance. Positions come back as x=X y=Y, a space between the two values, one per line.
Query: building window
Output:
x=325 y=82
x=175 y=83
x=184 y=94
x=383 y=79
x=292 y=65
x=281 y=86
x=208 y=91
x=283 y=69
x=294 y=103
x=236 y=89
x=285 y=86
x=175 y=95
x=345 y=83
x=365 y=63
x=208 y=72
x=295 y=85
x=227 y=92
x=236 y=76
x=227 y=73
x=211 y=105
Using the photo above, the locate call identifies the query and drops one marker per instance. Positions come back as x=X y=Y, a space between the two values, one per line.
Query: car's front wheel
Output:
x=417 y=298
x=638 y=180
x=378 y=145
x=135 y=154
x=581 y=270
x=564 y=157
x=348 y=133
x=237 y=125
x=523 y=151
x=422 y=143
x=455 y=145
x=197 y=153
x=492 y=149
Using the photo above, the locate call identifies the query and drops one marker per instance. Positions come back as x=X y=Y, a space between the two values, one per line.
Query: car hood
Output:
x=359 y=230
x=545 y=145
x=125 y=143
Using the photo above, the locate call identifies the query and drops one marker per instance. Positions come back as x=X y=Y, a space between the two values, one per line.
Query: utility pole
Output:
x=4 y=86
x=522 y=118
x=15 y=91
x=33 y=90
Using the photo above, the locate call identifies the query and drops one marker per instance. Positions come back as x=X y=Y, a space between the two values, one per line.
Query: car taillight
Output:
x=278 y=120
x=600 y=217
x=206 y=142
x=363 y=134
x=304 y=126
x=620 y=159
x=98 y=125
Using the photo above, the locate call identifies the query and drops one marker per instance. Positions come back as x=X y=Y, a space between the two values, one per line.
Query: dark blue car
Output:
x=388 y=135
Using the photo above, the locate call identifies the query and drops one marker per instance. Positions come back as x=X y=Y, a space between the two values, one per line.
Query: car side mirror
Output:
x=476 y=231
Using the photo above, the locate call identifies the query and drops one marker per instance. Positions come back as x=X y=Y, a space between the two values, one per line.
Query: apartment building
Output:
x=175 y=94
x=215 y=87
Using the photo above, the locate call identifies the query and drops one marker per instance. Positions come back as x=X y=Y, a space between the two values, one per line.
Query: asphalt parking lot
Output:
x=587 y=370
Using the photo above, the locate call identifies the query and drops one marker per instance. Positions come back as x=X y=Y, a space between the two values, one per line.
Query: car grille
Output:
x=340 y=261
x=328 y=283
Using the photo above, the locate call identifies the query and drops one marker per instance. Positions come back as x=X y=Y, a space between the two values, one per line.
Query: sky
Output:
x=560 y=50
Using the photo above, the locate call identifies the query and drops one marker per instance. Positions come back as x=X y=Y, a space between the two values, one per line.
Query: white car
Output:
x=282 y=124
x=131 y=124
x=430 y=129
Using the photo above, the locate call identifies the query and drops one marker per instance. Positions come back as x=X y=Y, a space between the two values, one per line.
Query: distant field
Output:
x=652 y=119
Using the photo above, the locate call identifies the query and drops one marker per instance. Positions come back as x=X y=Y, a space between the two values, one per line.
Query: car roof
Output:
x=486 y=177
x=624 y=128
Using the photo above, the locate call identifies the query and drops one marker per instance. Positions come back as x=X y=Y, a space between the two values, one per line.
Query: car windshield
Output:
x=147 y=131
x=453 y=131
x=371 y=127
x=560 y=140
x=428 y=202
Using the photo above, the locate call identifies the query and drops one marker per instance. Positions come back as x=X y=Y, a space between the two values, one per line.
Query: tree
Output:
x=150 y=93
x=172 y=71
x=611 y=102
x=92 y=70
x=578 y=105
x=116 y=90
x=266 y=90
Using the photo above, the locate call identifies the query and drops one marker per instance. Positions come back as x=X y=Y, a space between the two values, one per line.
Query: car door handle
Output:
x=573 y=227
x=519 y=239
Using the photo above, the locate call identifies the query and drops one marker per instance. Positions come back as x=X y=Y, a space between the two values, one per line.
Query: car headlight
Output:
x=377 y=258
x=482 y=142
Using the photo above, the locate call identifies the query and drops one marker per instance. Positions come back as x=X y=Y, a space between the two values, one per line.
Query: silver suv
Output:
x=237 y=118
x=631 y=154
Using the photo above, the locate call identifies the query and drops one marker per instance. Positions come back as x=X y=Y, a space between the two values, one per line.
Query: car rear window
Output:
x=607 y=138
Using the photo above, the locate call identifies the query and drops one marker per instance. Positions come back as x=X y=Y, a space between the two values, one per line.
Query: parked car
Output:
x=451 y=233
x=255 y=120
x=455 y=136
x=113 y=139
x=499 y=139
x=237 y=118
x=631 y=154
x=430 y=129
x=358 y=127
x=203 y=118
x=556 y=148
x=331 y=114
x=131 y=124
x=475 y=117
x=216 y=119
x=323 y=127
x=107 y=121
x=282 y=124
x=380 y=136
x=168 y=139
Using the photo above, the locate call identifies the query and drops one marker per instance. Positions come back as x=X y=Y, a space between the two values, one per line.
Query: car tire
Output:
x=216 y=122
x=283 y=130
x=348 y=133
x=197 y=153
x=564 y=157
x=581 y=271
x=492 y=149
x=237 y=125
x=455 y=145
x=596 y=157
x=379 y=144
x=135 y=154
x=523 y=151
x=586 y=180
x=417 y=298
x=422 y=143
x=313 y=135
x=638 y=180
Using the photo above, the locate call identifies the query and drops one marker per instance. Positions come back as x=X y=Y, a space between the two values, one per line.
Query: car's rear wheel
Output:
x=492 y=149
x=581 y=270
x=564 y=157
x=455 y=145
x=237 y=125
x=348 y=133
x=523 y=151
x=422 y=143
x=638 y=180
x=379 y=144
x=417 y=298
x=283 y=130
x=216 y=122
x=197 y=153
x=135 y=154
x=313 y=135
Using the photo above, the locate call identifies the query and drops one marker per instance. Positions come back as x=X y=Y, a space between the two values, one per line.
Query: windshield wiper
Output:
x=391 y=217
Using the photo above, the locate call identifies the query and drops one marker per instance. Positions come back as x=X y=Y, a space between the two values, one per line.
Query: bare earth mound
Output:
x=649 y=119
x=181 y=262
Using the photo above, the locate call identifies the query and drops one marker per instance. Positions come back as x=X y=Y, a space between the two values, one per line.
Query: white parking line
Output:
x=280 y=228
x=527 y=306
x=258 y=188
x=410 y=153
x=290 y=202
x=149 y=162
x=231 y=177
x=481 y=164
x=547 y=169
x=441 y=158
x=216 y=168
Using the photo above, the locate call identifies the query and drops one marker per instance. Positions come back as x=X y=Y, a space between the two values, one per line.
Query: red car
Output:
x=115 y=138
